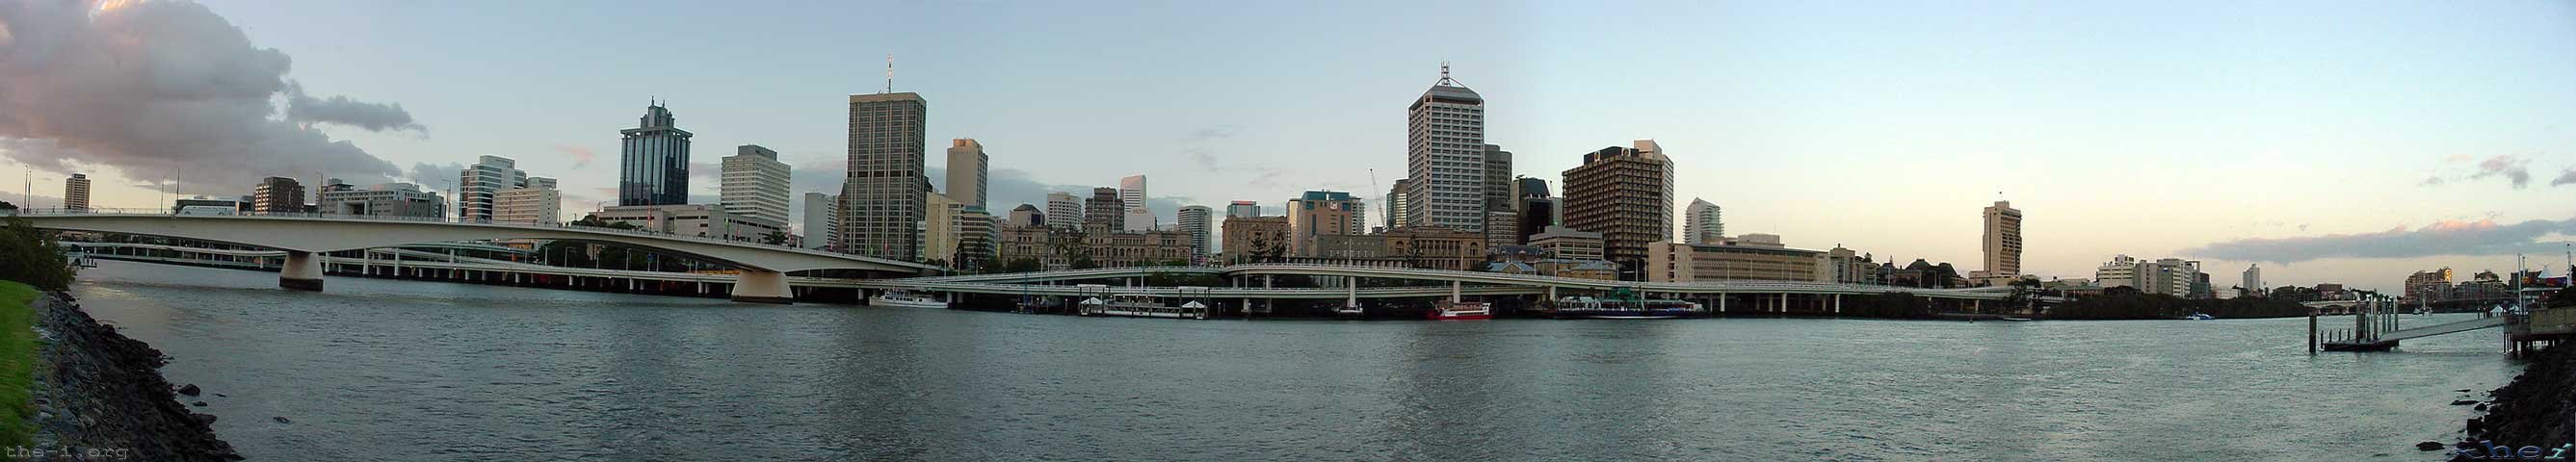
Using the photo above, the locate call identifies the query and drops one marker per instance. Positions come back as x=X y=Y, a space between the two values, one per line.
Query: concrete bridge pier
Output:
x=762 y=286
x=302 y=271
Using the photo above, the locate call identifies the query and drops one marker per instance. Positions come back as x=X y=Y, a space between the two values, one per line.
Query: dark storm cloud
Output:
x=2447 y=237
x=152 y=86
x=344 y=111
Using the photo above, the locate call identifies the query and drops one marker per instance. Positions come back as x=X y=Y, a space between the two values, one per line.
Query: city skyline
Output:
x=2271 y=165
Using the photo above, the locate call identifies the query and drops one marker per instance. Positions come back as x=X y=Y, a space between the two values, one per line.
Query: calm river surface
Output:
x=405 y=370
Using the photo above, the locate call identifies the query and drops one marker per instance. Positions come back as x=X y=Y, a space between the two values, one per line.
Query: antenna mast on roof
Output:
x=1444 y=75
x=889 y=73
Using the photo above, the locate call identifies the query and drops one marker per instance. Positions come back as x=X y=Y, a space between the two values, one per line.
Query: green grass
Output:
x=17 y=363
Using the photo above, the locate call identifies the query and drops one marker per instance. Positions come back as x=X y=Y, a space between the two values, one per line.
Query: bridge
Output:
x=301 y=235
x=1243 y=282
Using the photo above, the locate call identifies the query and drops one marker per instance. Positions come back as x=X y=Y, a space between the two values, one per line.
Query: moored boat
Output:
x=1593 y=308
x=1460 y=311
x=1141 y=306
x=905 y=298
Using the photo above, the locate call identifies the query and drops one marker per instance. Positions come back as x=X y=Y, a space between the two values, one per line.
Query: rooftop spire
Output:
x=889 y=73
x=1444 y=76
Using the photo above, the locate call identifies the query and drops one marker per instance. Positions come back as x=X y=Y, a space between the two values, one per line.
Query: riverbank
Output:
x=2536 y=409
x=99 y=394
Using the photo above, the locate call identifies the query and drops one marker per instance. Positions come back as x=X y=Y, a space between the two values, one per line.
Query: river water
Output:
x=408 y=370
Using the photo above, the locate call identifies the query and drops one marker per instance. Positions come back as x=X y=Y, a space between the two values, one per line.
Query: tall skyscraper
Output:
x=1498 y=179
x=1131 y=191
x=820 y=212
x=479 y=184
x=653 y=161
x=1626 y=194
x=1704 y=223
x=535 y=203
x=1194 y=221
x=885 y=195
x=754 y=185
x=2003 y=240
x=966 y=164
x=1064 y=210
x=1445 y=157
x=1246 y=209
x=277 y=194
x=75 y=193
x=1104 y=212
x=2253 y=279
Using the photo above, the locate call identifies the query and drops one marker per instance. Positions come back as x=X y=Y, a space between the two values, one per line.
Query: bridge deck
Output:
x=2440 y=329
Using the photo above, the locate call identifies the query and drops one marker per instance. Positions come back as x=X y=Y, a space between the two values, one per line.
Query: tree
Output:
x=2565 y=298
x=31 y=256
x=1021 y=265
x=2115 y=291
x=774 y=238
x=1083 y=261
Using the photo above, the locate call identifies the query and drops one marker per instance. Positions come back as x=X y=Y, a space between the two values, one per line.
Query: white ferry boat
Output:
x=1141 y=306
x=906 y=298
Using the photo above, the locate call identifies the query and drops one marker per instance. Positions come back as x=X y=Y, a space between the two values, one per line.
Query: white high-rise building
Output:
x=755 y=185
x=537 y=203
x=1445 y=157
x=966 y=164
x=820 y=209
x=1194 y=221
x=1703 y=223
x=482 y=182
x=2253 y=279
x=1063 y=210
x=1131 y=191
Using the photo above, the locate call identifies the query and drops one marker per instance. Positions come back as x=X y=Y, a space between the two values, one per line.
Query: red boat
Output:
x=1460 y=311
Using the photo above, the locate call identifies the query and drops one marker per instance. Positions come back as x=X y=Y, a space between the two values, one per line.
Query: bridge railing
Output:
x=416 y=219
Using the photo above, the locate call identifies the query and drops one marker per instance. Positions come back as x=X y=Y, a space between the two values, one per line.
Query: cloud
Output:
x=2303 y=227
x=429 y=175
x=155 y=86
x=581 y=156
x=707 y=172
x=344 y=111
x=2510 y=167
x=2446 y=237
x=2565 y=178
x=1213 y=133
x=2431 y=181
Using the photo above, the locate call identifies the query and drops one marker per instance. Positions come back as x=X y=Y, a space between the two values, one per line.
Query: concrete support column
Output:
x=1838 y=303
x=762 y=286
x=302 y=271
x=1352 y=287
x=1721 y=302
x=1453 y=291
x=1784 y=302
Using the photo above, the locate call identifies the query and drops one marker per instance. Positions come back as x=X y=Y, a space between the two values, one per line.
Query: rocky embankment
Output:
x=2537 y=409
x=101 y=395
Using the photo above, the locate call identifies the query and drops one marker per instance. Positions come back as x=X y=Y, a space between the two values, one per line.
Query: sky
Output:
x=2349 y=142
